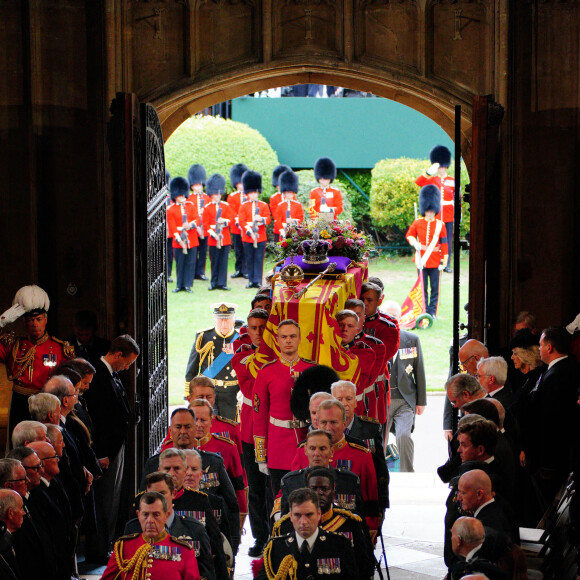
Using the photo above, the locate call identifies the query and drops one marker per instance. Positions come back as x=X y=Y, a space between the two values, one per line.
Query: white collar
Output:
x=107 y=365
x=482 y=506
x=310 y=540
x=472 y=553
x=557 y=360
x=493 y=393
x=489 y=459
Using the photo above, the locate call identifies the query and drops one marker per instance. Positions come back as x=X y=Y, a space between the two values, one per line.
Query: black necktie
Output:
x=304 y=550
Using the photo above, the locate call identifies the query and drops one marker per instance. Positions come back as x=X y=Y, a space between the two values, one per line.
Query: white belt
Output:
x=360 y=397
x=247 y=401
x=294 y=424
x=447 y=203
x=369 y=389
x=381 y=378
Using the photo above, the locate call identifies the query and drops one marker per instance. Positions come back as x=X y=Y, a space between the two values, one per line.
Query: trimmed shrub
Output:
x=218 y=144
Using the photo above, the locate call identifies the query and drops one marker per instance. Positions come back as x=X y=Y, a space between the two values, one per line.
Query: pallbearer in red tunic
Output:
x=218 y=216
x=235 y=199
x=197 y=178
x=276 y=431
x=325 y=199
x=153 y=554
x=277 y=197
x=288 y=212
x=29 y=360
x=183 y=221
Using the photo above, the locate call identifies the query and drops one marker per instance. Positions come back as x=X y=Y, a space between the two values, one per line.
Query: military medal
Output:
x=166 y=553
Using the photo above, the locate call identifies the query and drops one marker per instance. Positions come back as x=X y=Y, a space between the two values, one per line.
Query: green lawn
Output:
x=188 y=313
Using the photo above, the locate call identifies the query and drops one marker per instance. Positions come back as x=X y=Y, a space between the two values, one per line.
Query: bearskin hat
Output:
x=324 y=168
x=440 y=154
x=313 y=380
x=196 y=174
x=252 y=181
x=524 y=338
x=277 y=172
x=216 y=184
x=288 y=181
x=167 y=176
x=236 y=173
x=429 y=199
x=178 y=186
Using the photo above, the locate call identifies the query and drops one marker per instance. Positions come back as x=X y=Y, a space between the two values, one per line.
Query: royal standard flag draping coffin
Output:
x=315 y=312
x=414 y=304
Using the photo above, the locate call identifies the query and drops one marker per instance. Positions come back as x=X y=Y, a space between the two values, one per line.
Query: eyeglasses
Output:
x=477 y=375
x=51 y=457
x=36 y=467
x=16 y=480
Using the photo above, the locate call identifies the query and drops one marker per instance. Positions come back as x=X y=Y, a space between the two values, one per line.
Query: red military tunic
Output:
x=169 y=232
x=424 y=231
x=209 y=222
x=333 y=199
x=351 y=457
x=367 y=359
x=165 y=558
x=241 y=365
x=200 y=201
x=227 y=450
x=247 y=210
x=235 y=199
x=276 y=431
x=243 y=338
x=447 y=188
x=294 y=207
x=275 y=199
x=378 y=371
x=25 y=360
x=175 y=221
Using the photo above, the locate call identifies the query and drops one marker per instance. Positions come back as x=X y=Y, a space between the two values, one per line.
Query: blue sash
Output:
x=220 y=362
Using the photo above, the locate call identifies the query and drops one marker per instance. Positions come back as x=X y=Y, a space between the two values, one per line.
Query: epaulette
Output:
x=347 y=514
x=300 y=445
x=220 y=438
x=205 y=330
x=368 y=419
x=195 y=491
x=226 y=420
x=307 y=360
x=129 y=537
x=267 y=363
x=373 y=339
x=7 y=339
x=140 y=493
x=67 y=348
x=180 y=542
x=278 y=524
x=356 y=446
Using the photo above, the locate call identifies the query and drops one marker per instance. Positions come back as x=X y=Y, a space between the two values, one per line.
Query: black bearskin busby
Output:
x=312 y=380
x=288 y=182
x=324 y=168
x=236 y=173
x=216 y=184
x=277 y=172
x=252 y=181
x=178 y=186
x=429 y=199
x=167 y=177
x=440 y=154
x=196 y=174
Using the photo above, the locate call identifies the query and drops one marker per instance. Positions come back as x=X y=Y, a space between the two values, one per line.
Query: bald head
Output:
x=466 y=534
x=471 y=353
x=48 y=456
x=474 y=489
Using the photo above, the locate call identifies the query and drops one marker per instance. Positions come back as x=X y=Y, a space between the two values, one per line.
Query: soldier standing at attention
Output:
x=211 y=356
x=325 y=199
x=197 y=177
x=276 y=198
x=289 y=211
x=235 y=199
x=29 y=360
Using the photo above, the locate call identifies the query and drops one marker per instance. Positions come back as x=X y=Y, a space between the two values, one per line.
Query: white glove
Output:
x=12 y=314
x=441 y=266
x=433 y=169
x=263 y=467
x=417 y=245
x=574 y=325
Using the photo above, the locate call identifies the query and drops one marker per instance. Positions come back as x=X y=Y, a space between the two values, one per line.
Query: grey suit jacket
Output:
x=408 y=370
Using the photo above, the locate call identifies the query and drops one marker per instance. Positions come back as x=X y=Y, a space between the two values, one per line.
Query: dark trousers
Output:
x=449 y=228
x=239 y=250
x=200 y=258
x=226 y=401
x=258 y=485
x=169 y=256
x=431 y=279
x=18 y=410
x=255 y=261
x=276 y=238
x=276 y=476
x=185 y=267
x=219 y=265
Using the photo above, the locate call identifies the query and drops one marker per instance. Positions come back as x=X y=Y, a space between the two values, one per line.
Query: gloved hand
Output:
x=433 y=169
x=441 y=266
x=12 y=314
x=417 y=245
x=574 y=325
x=263 y=468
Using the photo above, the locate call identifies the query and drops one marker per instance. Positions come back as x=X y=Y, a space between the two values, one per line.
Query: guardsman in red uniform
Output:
x=197 y=177
x=169 y=249
x=224 y=447
x=183 y=221
x=428 y=236
x=218 y=216
x=347 y=456
x=436 y=175
x=153 y=554
x=29 y=360
x=261 y=302
x=276 y=431
x=371 y=392
x=386 y=329
x=235 y=199
x=277 y=197
x=325 y=199
x=348 y=324
x=288 y=212
x=254 y=216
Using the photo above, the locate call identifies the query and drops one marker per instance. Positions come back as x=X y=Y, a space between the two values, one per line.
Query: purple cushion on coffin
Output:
x=341 y=262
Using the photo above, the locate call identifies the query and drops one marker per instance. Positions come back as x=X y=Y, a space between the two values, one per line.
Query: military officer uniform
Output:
x=211 y=356
x=161 y=558
x=331 y=556
x=347 y=524
x=366 y=367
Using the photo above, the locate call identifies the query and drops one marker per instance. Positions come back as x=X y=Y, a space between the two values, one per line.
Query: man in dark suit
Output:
x=492 y=376
x=86 y=343
x=408 y=390
x=11 y=516
x=108 y=406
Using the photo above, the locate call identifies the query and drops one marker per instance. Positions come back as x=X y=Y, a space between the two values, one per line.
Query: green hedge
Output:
x=218 y=144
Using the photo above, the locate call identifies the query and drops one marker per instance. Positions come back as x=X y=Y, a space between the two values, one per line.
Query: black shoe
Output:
x=237 y=275
x=188 y=290
x=170 y=280
x=256 y=550
x=256 y=285
x=226 y=288
x=175 y=290
x=201 y=277
x=245 y=276
x=210 y=288
x=249 y=285
x=448 y=270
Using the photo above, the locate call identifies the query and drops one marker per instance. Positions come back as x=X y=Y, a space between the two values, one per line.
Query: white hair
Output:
x=342 y=384
x=494 y=366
